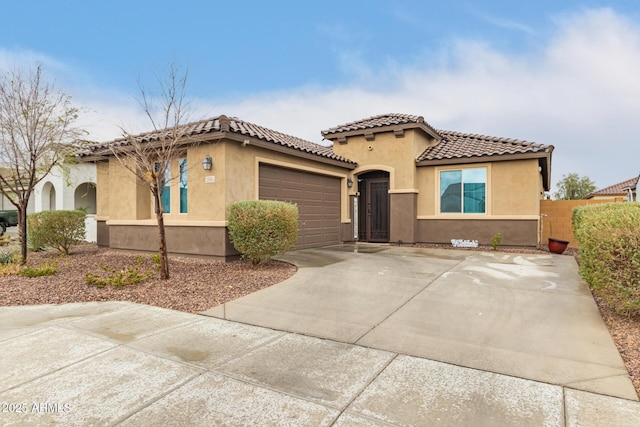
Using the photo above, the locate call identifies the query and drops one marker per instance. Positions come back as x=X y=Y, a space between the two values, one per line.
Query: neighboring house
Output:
x=5 y=203
x=625 y=190
x=67 y=188
x=388 y=178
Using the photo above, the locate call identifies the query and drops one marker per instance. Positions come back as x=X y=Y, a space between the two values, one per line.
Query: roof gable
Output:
x=380 y=123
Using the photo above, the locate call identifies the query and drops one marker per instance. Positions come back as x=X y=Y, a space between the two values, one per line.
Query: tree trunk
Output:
x=162 y=242
x=22 y=232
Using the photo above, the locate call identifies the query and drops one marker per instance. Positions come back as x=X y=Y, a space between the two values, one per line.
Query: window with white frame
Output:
x=463 y=191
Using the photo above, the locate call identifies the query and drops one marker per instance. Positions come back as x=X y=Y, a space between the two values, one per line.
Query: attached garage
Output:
x=317 y=197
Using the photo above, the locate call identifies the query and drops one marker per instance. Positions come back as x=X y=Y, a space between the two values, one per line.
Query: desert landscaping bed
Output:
x=198 y=284
x=195 y=284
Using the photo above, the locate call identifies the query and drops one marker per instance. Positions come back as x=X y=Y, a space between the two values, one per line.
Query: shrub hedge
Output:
x=609 y=237
x=260 y=229
x=56 y=229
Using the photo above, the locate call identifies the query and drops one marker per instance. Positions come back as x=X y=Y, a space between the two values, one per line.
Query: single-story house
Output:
x=387 y=178
x=625 y=190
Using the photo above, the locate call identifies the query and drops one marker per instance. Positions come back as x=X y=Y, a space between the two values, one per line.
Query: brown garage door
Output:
x=317 y=197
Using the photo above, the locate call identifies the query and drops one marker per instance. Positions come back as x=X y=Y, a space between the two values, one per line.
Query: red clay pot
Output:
x=557 y=246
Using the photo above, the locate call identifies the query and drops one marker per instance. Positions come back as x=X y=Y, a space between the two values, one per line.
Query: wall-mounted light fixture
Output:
x=207 y=163
x=349 y=182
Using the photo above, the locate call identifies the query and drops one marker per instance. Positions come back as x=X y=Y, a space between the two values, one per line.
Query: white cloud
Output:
x=506 y=23
x=578 y=90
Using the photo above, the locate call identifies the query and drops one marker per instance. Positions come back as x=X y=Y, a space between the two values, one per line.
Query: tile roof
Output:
x=228 y=124
x=615 y=189
x=456 y=145
x=380 y=120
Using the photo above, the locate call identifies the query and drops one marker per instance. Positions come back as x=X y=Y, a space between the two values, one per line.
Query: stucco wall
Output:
x=396 y=155
x=233 y=177
x=514 y=232
x=513 y=190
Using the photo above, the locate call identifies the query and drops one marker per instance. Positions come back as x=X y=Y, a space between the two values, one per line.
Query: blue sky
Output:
x=565 y=73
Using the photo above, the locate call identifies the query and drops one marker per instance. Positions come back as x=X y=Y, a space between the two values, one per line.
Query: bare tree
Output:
x=36 y=126
x=149 y=156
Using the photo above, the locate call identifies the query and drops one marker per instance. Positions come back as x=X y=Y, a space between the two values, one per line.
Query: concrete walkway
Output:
x=380 y=337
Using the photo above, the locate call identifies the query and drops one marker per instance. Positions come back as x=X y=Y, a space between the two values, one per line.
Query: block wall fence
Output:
x=556 y=217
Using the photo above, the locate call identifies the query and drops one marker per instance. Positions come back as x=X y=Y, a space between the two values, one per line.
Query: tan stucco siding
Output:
x=102 y=190
x=205 y=189
x=397 y=154
x=233 y=177
x=426 y=184
x=515 y=188
x=125 y=198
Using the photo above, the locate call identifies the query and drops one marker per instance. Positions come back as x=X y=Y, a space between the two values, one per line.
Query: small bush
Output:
x=126 y=276
x=44 y=269
x=496 y=240
x=56 y=229
x=609 y=237
x=260 y=229
x=8 y=256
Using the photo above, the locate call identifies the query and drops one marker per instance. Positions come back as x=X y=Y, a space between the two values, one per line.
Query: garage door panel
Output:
x=317 y=197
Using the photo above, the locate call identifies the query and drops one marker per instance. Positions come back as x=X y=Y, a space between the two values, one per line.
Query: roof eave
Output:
x=297 y=152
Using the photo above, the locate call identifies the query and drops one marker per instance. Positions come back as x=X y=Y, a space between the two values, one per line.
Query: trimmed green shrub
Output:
x=260 y=229
x=609 y=237
x=56 y=229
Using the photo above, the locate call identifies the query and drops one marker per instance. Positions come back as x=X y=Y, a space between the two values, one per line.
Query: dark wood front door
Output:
x=374 y=202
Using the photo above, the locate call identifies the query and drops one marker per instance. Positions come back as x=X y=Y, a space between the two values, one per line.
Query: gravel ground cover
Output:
x=198 y=284
x=195 y=284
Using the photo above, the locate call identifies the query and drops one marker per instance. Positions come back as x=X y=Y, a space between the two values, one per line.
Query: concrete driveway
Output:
x=528 y=316
x=362 y=335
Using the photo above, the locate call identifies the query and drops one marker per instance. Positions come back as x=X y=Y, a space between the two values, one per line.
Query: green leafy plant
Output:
x=45 y=269
x=496 y=240
x=130 y=275
x=609 y=240
x=8 y=256
x=56 y=229
x=260 y=229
